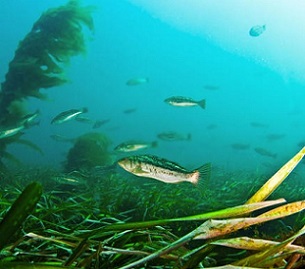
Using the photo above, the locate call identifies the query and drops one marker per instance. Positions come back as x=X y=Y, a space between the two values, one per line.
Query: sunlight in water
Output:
x=227 y=24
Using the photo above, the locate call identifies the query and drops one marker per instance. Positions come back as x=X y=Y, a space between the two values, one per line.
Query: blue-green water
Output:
x=129 y=42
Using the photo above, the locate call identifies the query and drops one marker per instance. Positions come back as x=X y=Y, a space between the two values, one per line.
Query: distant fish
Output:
x=97 y=124
x=25 y=122
x=136 y=81
x=69 y=180
x=273 y=137
x=60 y=138
x=301 y=144
x=257 y=30
x=83 y=119
x=174 y=136
x=258 y=125
x=68 y=115
x=29 y=119
x=264 y=152
x=211 y=126
x=240 y=146
x=129 y=110
x=163 y=170
x=184 y=101
x=135 y=146
x=211 y=87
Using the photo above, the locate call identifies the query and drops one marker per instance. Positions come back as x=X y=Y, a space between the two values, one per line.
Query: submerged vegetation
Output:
x=89 y=150
x=90 y=216
x=100 y=220
x=39 y=63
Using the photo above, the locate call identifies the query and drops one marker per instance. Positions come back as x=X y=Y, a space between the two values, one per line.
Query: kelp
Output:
x=40 y=60
x=89 y=150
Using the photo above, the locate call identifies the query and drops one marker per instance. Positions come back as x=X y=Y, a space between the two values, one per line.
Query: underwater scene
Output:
x=152 y=134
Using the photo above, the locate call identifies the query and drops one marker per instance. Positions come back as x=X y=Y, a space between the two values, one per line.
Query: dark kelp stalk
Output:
x=40 y=60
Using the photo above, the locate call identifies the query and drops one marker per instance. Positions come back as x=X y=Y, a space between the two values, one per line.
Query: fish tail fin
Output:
x=202 y=103
x=189 y=136
x=204 y=180
x=203 y=173
x=154 y=144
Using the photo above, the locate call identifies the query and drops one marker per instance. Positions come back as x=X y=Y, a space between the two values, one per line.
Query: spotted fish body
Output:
x=184 y=101
x=161 y=169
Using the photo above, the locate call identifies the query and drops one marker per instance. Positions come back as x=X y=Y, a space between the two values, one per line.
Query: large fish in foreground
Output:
x=161 y=169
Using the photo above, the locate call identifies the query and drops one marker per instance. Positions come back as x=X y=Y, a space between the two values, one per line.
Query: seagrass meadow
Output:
x=158 y=148
x=99 y=220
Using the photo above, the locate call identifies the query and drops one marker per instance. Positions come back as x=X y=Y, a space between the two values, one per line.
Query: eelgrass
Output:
x=78 y=229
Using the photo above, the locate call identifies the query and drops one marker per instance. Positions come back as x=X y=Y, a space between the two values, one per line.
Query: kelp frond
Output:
x=40 y=58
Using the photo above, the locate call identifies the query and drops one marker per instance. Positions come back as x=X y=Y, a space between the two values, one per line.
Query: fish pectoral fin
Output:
x=138 y=170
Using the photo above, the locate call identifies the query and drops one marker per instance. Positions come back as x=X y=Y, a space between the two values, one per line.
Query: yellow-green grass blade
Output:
x=276 y=179
x=254 y=244
x=214 y=228
x=262 y=257
x=19 y=211
x=219 y=214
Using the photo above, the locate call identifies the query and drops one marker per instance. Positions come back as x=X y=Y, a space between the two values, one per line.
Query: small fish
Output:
x=83 y=119
x=211 y=126
x=258 y=125
x=11 y=131
x=240 y=146
x=136 y=81
x=68 y=115
x=264 y=152
x=99 y=123
x=210 y=87
x=163 y=170
x=273 y=137
x=301 y=144
x=129 y=110
x=60 y=138
x=135 y=146
x=29 y=119
x=69 y=180
x=257 y=30
x=184 y=101
x=174 y=136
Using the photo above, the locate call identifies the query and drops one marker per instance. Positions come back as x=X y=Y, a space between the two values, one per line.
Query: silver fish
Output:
x=184 y=101
x=60 y=138
x=136 y=81
x=163 y=170
x=135 y=146
x=11 y=131
x=29 y=119
x=174 y=136
x=68 y=115
x=264 y=152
